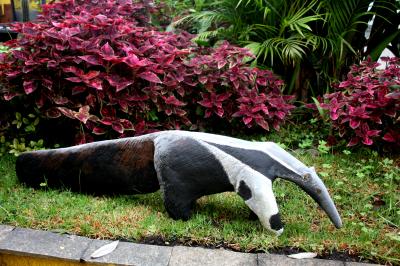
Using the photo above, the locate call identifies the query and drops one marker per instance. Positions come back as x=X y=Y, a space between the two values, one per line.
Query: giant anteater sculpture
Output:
x=185 y=165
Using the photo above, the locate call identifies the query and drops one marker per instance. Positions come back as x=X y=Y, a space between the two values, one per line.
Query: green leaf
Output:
x=377 y=51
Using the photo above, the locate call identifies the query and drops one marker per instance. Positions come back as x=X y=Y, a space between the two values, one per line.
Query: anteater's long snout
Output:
x=313 y=186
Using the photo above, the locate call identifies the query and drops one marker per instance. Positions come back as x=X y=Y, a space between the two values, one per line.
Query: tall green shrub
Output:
x=310 y=43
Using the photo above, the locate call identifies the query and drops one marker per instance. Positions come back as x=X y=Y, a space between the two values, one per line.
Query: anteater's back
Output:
x=123 y=166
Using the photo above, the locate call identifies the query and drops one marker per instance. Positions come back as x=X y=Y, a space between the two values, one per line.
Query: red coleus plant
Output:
x=99 y=62
x=366 y=106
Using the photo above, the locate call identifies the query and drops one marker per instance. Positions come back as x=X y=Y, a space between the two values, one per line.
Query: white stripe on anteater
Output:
x=262 y=201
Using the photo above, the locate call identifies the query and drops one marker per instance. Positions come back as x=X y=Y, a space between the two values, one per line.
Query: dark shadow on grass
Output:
x=219 y=210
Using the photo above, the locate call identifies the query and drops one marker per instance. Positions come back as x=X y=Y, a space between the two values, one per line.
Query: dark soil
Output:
x=328 y=255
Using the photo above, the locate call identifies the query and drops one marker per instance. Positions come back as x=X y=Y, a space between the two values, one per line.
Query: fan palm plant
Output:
x=310 y=43
x=357 y=29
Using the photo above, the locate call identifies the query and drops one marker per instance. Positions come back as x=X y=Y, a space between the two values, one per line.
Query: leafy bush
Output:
x=366 y=106
x=101 y=64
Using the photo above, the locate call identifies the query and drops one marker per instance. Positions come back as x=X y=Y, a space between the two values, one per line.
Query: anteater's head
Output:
x=288 y=167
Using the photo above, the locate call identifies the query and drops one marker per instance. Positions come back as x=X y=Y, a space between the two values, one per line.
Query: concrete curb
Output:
x=19 y=246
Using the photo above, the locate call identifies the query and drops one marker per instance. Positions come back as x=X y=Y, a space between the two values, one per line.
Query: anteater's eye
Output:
x=306 y=176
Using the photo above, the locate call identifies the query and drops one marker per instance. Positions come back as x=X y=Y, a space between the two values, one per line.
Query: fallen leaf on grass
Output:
x=104 y=250
x=303 y=255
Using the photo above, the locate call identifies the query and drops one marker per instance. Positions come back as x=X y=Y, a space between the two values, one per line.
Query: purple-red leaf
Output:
x=118 y=127
x=118 y=82
x=95 y=83
x=29 y=86
x=99 y=130
x=92 y=59
x=150 y=76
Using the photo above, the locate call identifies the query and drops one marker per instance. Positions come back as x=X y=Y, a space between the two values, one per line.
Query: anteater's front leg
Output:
x=186 y=171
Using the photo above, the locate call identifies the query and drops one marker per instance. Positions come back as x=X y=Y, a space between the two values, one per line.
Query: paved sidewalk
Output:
x=27 y=243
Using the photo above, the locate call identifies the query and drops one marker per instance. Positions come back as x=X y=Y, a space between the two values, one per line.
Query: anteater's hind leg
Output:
x=186 y=171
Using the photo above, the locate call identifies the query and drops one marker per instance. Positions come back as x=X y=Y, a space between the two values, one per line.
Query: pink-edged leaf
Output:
x=280 y=114
x=21 y=55
x=390 y=112
x=206 y=103
x=99 y=130
x=223 y=96
x=180 y=112
x=118 y=127
x=373 y=133
x=47 y=83
x=393 y=95
x=138 y=98
x=60 y=47
x=67 y=112
x=92 y=59
x=168 y=111
x=203 y=79
x=126 y=124
x=95 y=83
x=221 y=64
x=173 y=101
x=334 y=115
x=276 y=126
x=262 y=123
x=94 y=118
x=367 y=141
x=354 y=141
x=220 y=112
x=354 y=123
x=376 y=119
x=236 y=83
x=118 y=82
x=82 y=117
x=261 y=81
x=90 y=75
x=52 y=64
x=29 y=86
x=133 y=61
x=169 y=59
x=9 y=95
x=40 y=100
x=60 y=100
x=106 y=121
x=83 y=114
x=124 y=105
x=78 y=89
x=150 y=76
x=247 y=120
x=13 y=74
x=52 y=113
x=74 y=79
x=389 y=137
x=84 y=109
x=107 y=50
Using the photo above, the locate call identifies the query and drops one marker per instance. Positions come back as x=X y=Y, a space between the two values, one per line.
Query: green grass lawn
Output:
x=365 y=188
